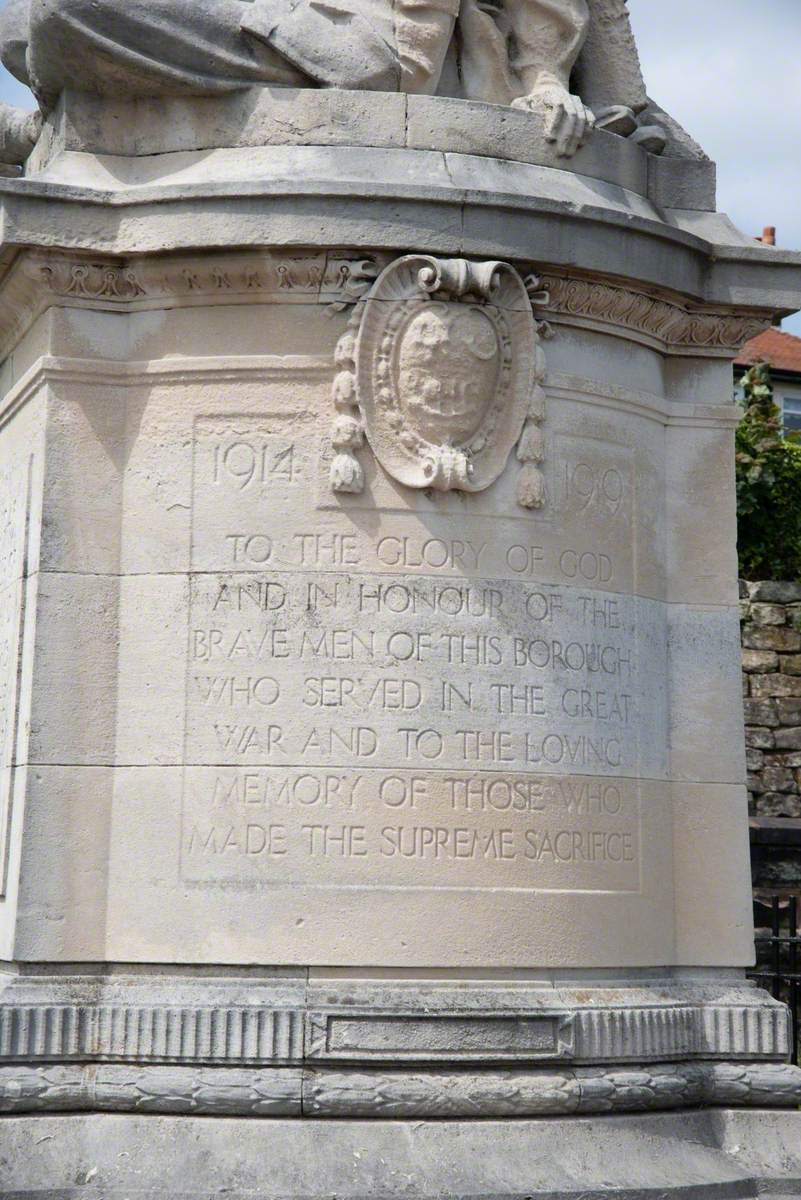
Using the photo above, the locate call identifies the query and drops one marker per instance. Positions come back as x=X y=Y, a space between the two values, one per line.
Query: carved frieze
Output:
x=309 y=274
x=432 y=1093
x=338 y=280
x=39 y=280
x=665 y=321
x=441 y=369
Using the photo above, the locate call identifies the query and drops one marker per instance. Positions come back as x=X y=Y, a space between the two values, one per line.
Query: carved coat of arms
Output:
x=441 y=371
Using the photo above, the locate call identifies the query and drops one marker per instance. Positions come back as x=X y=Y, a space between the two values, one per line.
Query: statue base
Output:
x=279 y=842
x=721 y=1152
x=330 y=1046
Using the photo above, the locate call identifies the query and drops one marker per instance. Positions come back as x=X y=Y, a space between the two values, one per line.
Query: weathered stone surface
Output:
x=682 y=183
x=759 y=738
x=287 y=1019
x=164 y=734
x=774 y=591
x=156 y=1089
x=263 y=117
x=729 y=1153
x=754 y=760
x=788 y=739
x=761 y=712
x=771 y=638
x=778 y=804
x=776 y=778
x=791 y=664
x=758 y=661
x=767 y=614
x=763 y=686
x=788 y=709
x=590 y=1090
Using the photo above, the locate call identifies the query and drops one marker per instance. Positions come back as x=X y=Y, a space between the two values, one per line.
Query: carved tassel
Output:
x=347 y=432
x=531 y=487
x=532 y=444
x=531 y=447
x=531 y=453
x=347 y=474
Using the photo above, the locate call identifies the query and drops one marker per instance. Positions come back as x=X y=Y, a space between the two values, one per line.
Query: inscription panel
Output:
x=398 y=700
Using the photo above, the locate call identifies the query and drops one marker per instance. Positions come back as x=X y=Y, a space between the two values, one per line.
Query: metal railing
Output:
x=778 y=949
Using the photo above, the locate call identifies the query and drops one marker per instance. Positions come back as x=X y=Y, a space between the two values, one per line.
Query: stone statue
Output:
x=571 y=60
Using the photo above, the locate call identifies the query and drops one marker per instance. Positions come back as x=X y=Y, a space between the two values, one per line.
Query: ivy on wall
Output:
x=768 y=469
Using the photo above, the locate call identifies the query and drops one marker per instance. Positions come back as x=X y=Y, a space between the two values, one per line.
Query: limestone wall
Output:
x=771 y=641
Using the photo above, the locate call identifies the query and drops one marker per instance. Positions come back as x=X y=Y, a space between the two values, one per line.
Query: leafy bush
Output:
x=768 y=486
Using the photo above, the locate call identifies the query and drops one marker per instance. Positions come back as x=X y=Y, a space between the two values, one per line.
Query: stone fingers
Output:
x=573 y=122
x=554 y=120
x=560 y=125
x=572 y=127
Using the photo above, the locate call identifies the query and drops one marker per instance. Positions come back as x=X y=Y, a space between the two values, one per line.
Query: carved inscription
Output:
x=367 y=706
x=319 y=667
x=13 y=539
x=410 y=829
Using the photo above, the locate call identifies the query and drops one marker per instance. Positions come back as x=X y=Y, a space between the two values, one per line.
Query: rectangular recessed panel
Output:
x=434 y=737
x=411 y=710
x=421 y=1037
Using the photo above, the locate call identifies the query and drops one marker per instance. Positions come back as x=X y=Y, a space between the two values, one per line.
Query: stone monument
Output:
x=372 y=809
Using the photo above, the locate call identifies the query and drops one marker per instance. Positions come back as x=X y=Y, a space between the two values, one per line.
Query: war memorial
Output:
x=372 y=807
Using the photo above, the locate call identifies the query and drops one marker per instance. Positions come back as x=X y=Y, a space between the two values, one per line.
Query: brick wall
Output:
x=771 y=641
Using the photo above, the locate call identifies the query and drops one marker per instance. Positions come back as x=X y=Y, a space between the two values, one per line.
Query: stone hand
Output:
x=567 y=118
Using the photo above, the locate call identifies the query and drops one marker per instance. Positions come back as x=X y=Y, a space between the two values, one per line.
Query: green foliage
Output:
x=768 y=486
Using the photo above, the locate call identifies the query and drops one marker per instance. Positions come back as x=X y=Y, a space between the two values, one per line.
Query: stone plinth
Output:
x=725 y=1153
x=372 y=733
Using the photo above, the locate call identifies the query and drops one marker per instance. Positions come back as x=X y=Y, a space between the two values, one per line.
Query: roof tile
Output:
x=782 y=351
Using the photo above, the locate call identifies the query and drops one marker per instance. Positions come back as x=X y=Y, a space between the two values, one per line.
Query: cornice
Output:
x=39 y=280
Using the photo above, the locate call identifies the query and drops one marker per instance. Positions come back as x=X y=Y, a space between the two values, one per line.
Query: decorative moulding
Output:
x=37 y=280
x=666 y=323
x=256 y=1092
x=232 y=1033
